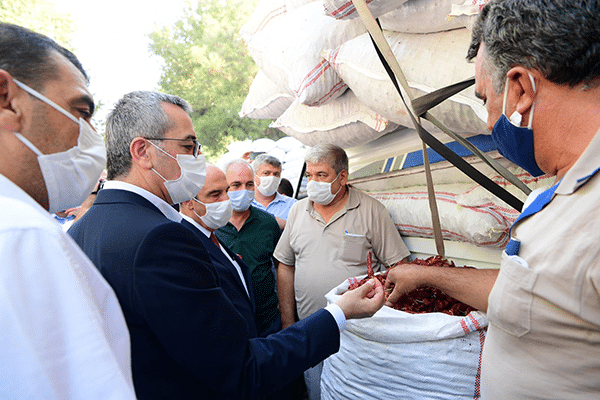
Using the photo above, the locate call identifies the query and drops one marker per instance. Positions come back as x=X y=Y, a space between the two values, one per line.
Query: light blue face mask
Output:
x=241 y=199
x=514 y=142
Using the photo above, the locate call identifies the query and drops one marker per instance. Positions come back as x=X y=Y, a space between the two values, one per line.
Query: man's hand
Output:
x=472 y=286
x=403 y=279
x=362 y=302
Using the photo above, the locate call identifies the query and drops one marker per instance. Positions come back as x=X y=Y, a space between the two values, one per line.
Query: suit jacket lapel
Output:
x=215 y=252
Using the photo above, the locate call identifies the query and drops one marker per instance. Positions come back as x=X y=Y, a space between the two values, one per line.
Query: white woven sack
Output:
x=289 y=53
x=263 y=145
x=482 y=222
x=268 y=12
x=421 y=16
x=344 y=9
x=344 y=121
x=265 y=100
x=288 y=143
x=429 y=62
x=397 y=355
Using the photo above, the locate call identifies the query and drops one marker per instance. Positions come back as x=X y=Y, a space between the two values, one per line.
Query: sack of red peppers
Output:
x=421 y=353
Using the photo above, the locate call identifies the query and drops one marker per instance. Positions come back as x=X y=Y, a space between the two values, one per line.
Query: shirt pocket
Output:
x=354 y=249
x=509 y=304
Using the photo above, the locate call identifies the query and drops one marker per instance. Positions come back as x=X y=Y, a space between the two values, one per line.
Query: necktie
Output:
x=214 y=239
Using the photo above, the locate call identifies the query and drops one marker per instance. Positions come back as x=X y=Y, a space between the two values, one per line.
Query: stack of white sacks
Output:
x=288 y=150
x=321 y=80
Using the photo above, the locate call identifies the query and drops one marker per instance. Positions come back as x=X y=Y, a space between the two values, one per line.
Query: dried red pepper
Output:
x=423 y=299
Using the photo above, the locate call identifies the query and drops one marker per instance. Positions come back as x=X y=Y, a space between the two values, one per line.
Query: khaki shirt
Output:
x=544 y=309
x=324 y=255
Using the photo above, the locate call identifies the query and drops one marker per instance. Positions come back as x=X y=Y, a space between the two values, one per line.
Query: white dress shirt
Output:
x=62 y=331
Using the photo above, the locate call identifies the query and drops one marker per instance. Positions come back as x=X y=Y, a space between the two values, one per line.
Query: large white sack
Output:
x=266 y=13
x=265 y=100
x=277 y=153
x=397 y=355
x=344 y=9
x=468 y=212
x=344 y=121
x=289 y=53
x=288 y=143
x=429 y=62
x=467 y=11
x=263 y=145
x=421 y=16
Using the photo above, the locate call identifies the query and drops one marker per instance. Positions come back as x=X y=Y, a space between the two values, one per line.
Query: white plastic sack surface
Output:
x=268 y=12
x=288 y=143
x=265 y=100
x=344 y=121
x=396 y=355
x=263 y=144
x=288 y=51
x=344 y=9
x=429 y=62
x=468 y=212
x=421 y=16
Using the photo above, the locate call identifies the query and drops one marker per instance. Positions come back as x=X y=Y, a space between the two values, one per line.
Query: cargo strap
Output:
x=426 y=102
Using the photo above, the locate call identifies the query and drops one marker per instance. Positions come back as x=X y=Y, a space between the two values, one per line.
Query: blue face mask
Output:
x=241 y=199
x=514 y=142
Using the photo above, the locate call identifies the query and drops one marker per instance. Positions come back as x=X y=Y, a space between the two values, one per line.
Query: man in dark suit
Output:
x=206 y=213
x=188 y=339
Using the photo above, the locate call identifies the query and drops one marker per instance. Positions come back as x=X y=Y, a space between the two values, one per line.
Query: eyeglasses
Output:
x=197 y=145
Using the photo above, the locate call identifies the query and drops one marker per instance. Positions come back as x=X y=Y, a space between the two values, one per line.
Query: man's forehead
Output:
x=319 y=167
x=267 y=166
x=71 y=81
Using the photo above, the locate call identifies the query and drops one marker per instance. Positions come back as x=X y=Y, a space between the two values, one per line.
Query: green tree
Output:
x=206 y=62
x=40 y=16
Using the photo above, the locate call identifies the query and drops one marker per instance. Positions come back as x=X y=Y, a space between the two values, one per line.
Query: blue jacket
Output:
x=188 y=339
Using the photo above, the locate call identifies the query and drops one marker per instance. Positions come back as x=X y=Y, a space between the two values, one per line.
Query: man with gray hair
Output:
x=327 y=239
x=267 y=176
x=538 y=72
x=188 y=339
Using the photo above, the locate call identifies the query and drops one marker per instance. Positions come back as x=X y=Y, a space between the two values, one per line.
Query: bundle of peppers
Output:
x=423 y=299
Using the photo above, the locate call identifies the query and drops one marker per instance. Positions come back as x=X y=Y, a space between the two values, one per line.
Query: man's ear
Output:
x=139 y=153
x=343 y=177
x=522 y=89
x=11 y=110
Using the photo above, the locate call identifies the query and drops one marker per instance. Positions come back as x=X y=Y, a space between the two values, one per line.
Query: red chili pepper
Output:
x=423 y=299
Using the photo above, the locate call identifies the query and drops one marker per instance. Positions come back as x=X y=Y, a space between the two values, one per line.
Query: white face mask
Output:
x=217 y=214
x=191 y=180
x=320 y=192
x=70 y=175
x=241 y=199
x=268 y=185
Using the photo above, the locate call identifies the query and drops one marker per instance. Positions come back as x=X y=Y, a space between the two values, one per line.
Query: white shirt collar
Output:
x=162 y=205
x=197 y=225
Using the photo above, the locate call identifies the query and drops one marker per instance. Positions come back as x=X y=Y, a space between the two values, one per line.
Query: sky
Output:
x=111 y=41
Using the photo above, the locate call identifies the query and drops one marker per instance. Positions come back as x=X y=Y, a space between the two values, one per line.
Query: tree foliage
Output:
x=207 y=63
x=39 y=16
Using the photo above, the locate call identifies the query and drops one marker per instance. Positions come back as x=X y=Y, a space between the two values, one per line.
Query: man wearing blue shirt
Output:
x=267 y=176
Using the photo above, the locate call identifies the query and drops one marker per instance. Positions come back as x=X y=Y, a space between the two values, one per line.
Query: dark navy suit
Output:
x=188 y=339
x=230 y=279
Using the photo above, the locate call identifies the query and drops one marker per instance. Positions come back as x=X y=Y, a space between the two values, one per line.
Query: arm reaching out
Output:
x=362 y=302
x=472 y=286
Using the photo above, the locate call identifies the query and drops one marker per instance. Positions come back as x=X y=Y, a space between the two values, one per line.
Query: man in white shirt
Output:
x=62 y=333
